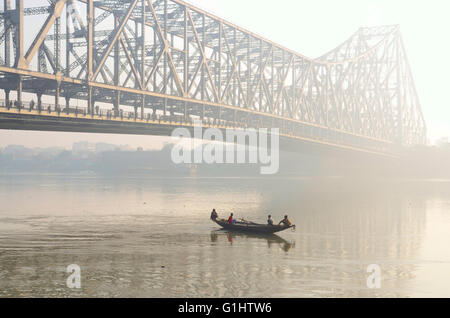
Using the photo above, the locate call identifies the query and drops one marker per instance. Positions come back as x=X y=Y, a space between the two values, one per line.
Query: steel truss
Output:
x=168 y=57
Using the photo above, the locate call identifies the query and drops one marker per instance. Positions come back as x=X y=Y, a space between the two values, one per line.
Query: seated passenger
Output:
x=270 y=220
x=285 y=221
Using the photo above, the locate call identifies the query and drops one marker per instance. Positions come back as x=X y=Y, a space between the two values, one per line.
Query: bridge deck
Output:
x=78 y=120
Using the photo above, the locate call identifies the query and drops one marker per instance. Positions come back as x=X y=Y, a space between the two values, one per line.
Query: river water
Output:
x=151 y=237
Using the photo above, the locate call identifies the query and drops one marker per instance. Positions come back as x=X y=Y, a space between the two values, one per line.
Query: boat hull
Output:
x=251 y=227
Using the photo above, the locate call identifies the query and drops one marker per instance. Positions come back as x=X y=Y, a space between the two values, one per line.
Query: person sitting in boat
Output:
x=270 y=220
x=231 y=219
x=214 y=215
x=285 y=221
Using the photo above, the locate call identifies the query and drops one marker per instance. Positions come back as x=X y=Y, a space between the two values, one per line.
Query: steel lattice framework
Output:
x=168 y=57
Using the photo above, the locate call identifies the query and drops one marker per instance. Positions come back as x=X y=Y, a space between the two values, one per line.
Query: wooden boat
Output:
x=249 y=227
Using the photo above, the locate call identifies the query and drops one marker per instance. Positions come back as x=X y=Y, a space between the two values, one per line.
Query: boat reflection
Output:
x=272 y=239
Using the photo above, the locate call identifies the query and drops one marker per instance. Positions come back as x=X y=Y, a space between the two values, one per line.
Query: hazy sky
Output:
x=315 y=27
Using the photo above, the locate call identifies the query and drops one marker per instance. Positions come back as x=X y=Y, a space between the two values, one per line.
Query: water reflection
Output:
x=272 y=239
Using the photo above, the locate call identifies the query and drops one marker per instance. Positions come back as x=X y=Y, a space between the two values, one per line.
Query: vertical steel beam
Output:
x=90 y=54
x=143 y=42
x=7 y=101
x=68 y=48
x=90 y=39
x=19 y=62
x=57 y=95
x=186 y=52
x=19 y=91
x=90 y=100
x=143 y=99
x=143 y=55
x=203 y=44
x=165 y=106
x=67 y=102
x=203 y=63
x=155 y=59
x=219 y=82
x=116 y=68
x=57 y=45
x=249 y=72
x=166 y=60
x=294 y=89
x=262 y=67
x=399 y=96
x=68 y=43
x=39 y=101
x=58 y=62
x=7 y=26
x=235 y=88
x=272 y=81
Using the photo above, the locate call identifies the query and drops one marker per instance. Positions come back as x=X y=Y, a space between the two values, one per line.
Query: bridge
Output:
x=148 y=66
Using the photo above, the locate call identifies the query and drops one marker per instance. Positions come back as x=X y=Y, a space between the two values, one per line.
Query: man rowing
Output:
x=214 y=215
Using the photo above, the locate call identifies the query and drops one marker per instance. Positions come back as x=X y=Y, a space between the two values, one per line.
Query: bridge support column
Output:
x=39 y=102
x=165 y=106
x=67 y=104
x=172 y=112
x=7 y=101
x=116 y=103
x=143 y=107
x=57 y=95
x=90 y=101
x=19 y=92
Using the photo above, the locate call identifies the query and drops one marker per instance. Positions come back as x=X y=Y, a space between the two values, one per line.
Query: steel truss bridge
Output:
x=147 y=66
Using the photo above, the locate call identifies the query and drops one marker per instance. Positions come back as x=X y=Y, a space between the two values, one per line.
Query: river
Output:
x=152 y=237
